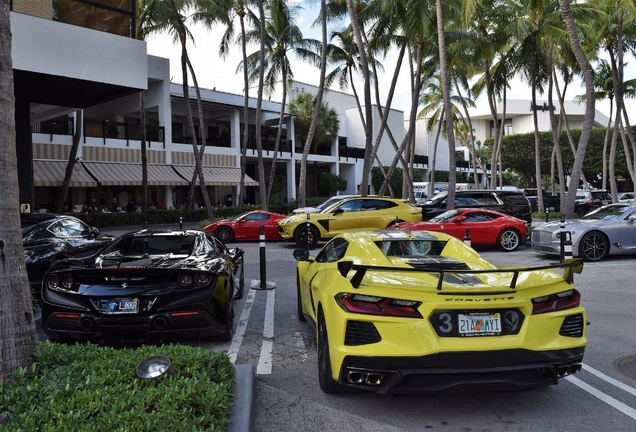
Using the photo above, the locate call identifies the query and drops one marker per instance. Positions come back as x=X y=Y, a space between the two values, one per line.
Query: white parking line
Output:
x=625 y=409
x=264 y=366
x=232 y=352
x=610 y=380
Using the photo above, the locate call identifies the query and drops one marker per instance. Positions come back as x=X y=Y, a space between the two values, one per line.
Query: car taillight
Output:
x=371 y=305
x=185 y=279
x=555 y=302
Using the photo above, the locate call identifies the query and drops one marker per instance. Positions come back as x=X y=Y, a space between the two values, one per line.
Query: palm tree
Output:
x=314 y=121
x=18 y=337
x=182 y=33
x=259 y=105
x=588 y=122
x=72 y=158
x=240 y=10
x=282 y=37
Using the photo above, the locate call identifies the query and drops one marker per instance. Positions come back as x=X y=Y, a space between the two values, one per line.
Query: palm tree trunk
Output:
x=588 y=122
x=18 y=337
x=72 y=158
x=144 y=152
x=246 y=117
x=202 y=133
x=279 y=134
x=262 y=186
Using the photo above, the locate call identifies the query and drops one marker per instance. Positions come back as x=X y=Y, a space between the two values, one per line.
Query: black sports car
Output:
x=147 y=286
x=54 y=237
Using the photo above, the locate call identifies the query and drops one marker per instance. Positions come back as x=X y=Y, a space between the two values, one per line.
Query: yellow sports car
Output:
x=418 y=311
x=345 y=215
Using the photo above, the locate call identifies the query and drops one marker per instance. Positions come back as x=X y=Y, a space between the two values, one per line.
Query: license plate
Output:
x=121 y=306
x=479 y=324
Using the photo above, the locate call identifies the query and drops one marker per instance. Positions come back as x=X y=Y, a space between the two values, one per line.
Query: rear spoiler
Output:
x=569 y=266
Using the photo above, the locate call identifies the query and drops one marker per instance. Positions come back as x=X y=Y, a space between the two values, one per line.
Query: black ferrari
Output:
x=48 y=238
x=148 y=286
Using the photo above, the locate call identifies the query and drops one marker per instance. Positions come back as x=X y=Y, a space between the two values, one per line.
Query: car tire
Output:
x=301 y=238
x=327 y=383
x=299 y=305
x=593 y=246
x=225 y=234
x=508 y=240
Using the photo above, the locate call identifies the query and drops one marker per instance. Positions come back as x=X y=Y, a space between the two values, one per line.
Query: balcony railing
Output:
x=54 y=127
x=110 y=16
x=123 y=131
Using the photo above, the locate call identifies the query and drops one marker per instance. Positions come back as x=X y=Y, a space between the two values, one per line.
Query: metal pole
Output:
x=467 y=240
x=263 y=259
x=562 y=238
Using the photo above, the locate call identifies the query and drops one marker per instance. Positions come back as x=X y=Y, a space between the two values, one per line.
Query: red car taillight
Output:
x=555 y=302
x=371 y=305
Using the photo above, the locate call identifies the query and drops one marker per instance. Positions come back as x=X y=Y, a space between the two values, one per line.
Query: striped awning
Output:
x=129 y=174
x=52 y=172
x=217 y=175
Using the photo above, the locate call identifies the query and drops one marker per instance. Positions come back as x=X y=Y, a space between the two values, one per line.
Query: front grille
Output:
x=541 y=236
x=361 y=333
x=572 y=326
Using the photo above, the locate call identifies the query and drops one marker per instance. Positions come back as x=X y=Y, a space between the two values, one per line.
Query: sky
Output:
x=222 y=74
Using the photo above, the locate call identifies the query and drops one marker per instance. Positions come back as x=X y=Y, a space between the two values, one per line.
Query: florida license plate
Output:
x=121 y=306
x=479 y=324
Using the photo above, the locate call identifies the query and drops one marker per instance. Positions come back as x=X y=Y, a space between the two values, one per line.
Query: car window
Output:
x=410 y=247
x=37 y=233
x=606 y=213
x=152 y=245
x=75 y=227
x=514 y=198
x=478 y=216
x=333 y=251
x=256 y=217
x=601 y=196
x=445 y=217
x=349 y=206
x=375 y=204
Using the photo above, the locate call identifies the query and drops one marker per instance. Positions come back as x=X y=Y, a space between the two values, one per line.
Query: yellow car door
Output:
x=377 y=213
x=341 y=217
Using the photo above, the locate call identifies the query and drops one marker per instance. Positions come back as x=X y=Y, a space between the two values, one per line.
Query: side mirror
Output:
x=338 y=211
x=460 y=219
x=94 y=232
x=241 y=221
x=302 y=255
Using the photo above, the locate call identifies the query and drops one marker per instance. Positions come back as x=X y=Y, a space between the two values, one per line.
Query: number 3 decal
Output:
x=446 y=325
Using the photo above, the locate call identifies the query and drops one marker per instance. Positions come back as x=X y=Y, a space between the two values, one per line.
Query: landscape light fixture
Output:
x=154 y=367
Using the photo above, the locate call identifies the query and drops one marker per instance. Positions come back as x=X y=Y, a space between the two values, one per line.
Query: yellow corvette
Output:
x=418 y=311
x=345 y=215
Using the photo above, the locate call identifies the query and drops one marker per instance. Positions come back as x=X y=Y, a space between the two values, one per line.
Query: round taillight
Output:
x=67 y=281
x=53 y=281
x=201 y=279
x=185 y=279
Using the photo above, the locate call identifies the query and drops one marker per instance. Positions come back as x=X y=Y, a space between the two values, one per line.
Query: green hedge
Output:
x=95 y=389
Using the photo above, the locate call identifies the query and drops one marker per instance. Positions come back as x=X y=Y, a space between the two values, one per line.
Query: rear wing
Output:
x=569 y=266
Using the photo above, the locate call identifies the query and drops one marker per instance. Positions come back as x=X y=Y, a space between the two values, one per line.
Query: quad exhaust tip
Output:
x=565 y=370
x=371 y=378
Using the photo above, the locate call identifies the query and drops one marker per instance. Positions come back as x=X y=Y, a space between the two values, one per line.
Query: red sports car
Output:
x=485 y=227
x=247 y=226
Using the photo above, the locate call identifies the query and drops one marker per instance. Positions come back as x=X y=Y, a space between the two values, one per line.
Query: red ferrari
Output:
x=247 y=226
x=485 y=227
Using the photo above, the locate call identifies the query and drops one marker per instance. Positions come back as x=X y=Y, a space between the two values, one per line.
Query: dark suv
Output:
x=512 y=202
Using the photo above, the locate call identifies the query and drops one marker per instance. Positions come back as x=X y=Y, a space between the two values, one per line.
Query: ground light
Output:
x=154 y=367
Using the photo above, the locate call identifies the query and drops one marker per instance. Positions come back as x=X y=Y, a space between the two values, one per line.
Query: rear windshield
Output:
x=411 y=247
x=152 y=245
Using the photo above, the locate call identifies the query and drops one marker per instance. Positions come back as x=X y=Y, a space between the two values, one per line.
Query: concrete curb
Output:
x=242 y=409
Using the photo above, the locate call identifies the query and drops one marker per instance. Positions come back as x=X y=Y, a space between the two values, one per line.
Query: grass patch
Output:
x=94 y=388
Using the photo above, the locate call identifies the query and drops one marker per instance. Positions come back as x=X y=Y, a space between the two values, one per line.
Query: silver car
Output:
x=609 y=230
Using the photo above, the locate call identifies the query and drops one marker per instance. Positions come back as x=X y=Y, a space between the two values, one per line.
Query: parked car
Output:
x=246 y=226
x=147 y=286
x=593 y=198
x=417 y=311
x=484 y=227
x=57 y=237
x=323 y=205
x=511 y=202
x=609 y=230
x=627 y=197
x=345 y=215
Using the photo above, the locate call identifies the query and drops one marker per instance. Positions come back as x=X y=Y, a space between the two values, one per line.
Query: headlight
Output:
x=201 y=279
x=53 y=281
x=185 y=279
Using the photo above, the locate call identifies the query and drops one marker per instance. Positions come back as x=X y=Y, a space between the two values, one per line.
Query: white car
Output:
x=627 y=197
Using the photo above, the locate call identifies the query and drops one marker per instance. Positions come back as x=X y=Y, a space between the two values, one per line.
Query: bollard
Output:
x=562 y=238
x=547 y=212
x=263 y=266
x=263 y=284
x=567 y=245
x=180 y=222
x=308 y=229
x=145 y=225
x=397 y=223
x=467 y=240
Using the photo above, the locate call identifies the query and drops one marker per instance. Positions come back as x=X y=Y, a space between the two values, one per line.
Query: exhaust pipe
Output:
x=86 y=324
x=576 y=368
x=563 y=371
x=368 y=378
x=160 y=322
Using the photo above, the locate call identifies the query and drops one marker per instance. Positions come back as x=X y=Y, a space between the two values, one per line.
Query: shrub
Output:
x=95 y=388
